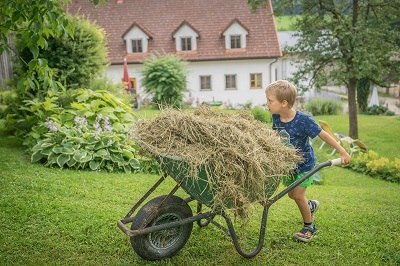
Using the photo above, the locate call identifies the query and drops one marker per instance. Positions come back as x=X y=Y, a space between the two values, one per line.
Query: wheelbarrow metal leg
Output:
x=232 y=233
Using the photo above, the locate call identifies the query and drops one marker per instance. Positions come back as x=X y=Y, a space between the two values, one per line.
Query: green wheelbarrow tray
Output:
x=198 y=187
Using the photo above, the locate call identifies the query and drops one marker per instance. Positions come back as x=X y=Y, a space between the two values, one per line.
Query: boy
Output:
x=298 y=127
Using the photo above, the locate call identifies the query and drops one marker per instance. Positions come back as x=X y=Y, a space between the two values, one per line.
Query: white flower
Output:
x=51 y=125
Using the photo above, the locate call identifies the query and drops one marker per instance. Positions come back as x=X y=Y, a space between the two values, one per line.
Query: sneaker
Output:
x=314 y=206
x=306 y=234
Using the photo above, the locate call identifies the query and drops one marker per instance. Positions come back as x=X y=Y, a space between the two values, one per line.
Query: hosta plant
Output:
x=93 y=129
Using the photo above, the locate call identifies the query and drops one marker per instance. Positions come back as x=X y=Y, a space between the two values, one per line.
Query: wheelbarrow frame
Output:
x=209 y=215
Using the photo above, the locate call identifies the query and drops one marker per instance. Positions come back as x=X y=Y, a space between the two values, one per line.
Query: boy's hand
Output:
x=345 y=157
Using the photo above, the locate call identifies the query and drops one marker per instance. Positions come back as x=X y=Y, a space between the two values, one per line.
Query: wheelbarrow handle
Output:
x=337 y=161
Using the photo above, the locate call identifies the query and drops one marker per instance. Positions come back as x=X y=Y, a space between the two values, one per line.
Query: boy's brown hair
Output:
x=283 y=91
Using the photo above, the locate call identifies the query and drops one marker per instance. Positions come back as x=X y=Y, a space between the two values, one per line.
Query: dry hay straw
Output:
x=242 y=156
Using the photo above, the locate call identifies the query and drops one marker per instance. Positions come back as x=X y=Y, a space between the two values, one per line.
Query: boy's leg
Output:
x=298 y=194
x=308 y=230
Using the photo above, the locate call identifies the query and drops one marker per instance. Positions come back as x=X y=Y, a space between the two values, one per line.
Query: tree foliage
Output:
x=345 y=42
x=36 y=22
x=75 y=60
x=164 y=78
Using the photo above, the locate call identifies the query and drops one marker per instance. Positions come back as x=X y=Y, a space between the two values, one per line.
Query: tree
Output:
x=76 y=60
x=164 y=77
x=36 y=22
x=345 y=42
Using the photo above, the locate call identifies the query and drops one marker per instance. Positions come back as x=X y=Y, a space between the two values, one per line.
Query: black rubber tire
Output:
x=165 y=243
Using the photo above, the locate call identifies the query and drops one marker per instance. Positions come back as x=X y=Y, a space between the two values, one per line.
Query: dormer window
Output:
x=137 y=46
x=235 y=35
x=185 y=37
x=235 y=42
x=136 y=39
x=186 y=43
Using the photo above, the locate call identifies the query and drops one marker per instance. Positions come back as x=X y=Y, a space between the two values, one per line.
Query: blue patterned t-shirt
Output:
x=298 y=131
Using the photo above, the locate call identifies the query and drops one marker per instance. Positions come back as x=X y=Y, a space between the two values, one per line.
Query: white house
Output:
x=232 y=53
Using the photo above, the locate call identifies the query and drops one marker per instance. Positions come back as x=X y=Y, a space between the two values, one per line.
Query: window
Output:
x=230 y=82
x=205 y=83
x=235 y=42
x=186 y=43
x=255 y=81
x=137 y=46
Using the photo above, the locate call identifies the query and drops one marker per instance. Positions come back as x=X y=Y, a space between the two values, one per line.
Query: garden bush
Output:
x=7 y=98
x=75 y=60
x=261 y=114
x=164 y=78
x=320 y=106
x=84 y=129
x=374 y=165
x=378 y=110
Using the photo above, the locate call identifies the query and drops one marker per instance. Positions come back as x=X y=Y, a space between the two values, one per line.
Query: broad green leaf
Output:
x=47 y=151
x=127 y=154
x=67 y=150
x=94 y=165
x=134 y=163
x=86 y=159
x=46 y=144
x=102 y=153
x=36 y=156
x=62 y=159
x=79 y=154
x=71 y=162
x=79 y=106
x=37 y=147
x=117 y=158
x=57 y=149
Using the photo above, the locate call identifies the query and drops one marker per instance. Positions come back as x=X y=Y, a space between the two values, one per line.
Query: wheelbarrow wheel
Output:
x=165 y=243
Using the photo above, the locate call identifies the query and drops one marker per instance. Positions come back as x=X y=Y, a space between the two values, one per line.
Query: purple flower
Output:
x=51 y=125
x=107 y=127
x=80 y=122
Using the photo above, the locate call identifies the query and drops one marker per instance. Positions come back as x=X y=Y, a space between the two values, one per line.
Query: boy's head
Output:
x=283 y=90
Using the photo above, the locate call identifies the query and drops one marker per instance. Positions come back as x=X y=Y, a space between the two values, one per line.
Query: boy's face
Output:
x=273 y=105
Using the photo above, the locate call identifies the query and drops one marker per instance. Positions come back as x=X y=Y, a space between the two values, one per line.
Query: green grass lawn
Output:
x=65 y=217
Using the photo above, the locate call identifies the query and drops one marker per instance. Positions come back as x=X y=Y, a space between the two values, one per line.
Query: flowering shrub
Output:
x=381 y=167
x=93 y=130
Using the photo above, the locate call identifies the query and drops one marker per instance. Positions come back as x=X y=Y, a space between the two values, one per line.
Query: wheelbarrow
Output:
x=163 y=225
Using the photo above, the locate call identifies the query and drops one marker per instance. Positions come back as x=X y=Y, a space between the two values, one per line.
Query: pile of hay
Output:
x=242 y=155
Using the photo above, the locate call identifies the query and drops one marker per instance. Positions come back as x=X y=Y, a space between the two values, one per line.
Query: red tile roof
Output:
x=162 y=17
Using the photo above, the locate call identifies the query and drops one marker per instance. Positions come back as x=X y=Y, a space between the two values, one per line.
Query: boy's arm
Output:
x=336 y=145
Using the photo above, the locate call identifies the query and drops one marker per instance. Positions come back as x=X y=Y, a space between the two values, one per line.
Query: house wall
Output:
x=217 y=69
